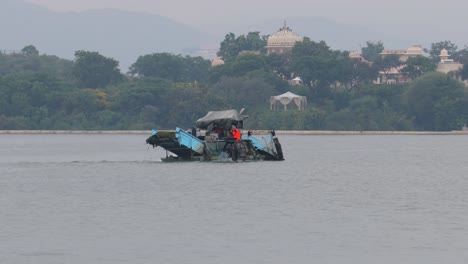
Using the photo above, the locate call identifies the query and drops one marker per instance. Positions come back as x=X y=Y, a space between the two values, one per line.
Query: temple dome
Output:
x=285 y=37
x=444 y=53
x=217 y=62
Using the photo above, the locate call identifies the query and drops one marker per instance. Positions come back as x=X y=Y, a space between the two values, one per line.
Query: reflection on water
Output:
x=335 y=199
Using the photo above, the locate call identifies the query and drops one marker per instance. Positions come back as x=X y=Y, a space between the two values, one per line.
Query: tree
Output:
x=252 y=42
x=84 y=101
x=464 y=71
x=438 y=46
x=159 y=65
x=388 y=62
x=30 y=62
x=437 y=102
x=231 y=46
x=241 y=92
x=30 y=51
x=461 y=56
x=248 y=62
x=313 y=62
x=171 y=67
x=186 y=103
x=372 y=50
x=344 y=70
x=92 y=70
x=311 y=118
x=219 y=72
x=280 y=63
x=196 y=69
x=131 y=97
x=417 y=66
x=363 y=72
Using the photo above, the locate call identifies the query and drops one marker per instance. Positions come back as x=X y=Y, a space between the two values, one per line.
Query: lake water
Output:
x=335 y=199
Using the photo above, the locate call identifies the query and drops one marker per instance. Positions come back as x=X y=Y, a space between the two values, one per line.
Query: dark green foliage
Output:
x=232 y=45
x=341 y=99
x=461 y=56
x=246 y=63
x=30 y=51
x=30 y=62
x=387 y=62
x=417 y=66
x=185 y=104
x=314 y=62
x=280 y=63
x=464 y=71
x=132 y=96
x=83 y=101
x=371 y=52
x=239 y=92
x=92 y=70
x=310 y=119
x=362 y=73
x=438 y=46
x=437 y=102
x=367 y=113
x=171 y=67
x=45 y=92
x=10 y=123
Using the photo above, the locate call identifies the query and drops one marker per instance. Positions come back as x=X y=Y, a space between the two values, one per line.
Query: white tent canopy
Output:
x=286 y=99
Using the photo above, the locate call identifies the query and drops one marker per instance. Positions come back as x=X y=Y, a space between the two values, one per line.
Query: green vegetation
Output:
x=162 y=90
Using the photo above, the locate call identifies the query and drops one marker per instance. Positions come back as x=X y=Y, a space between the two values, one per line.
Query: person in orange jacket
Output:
x=235 y=133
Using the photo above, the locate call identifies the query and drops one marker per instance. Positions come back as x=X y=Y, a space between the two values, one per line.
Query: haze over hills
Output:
x=119 y=34
x=125 y=35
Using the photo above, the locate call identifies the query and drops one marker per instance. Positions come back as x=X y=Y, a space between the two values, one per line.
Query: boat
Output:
x=217 y=137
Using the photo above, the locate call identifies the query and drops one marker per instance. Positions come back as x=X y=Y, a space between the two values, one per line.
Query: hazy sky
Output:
x=199 y=12
x=404 y=22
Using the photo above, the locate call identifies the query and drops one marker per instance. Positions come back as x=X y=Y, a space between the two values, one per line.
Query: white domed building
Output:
x=444 y=55
x=283 y=40
x=217 y=62
x=447 y=65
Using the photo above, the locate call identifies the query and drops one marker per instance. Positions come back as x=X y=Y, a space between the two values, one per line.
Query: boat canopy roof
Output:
x=220 y=118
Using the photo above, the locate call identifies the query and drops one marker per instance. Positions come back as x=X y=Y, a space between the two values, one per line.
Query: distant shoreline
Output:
x=279 y=132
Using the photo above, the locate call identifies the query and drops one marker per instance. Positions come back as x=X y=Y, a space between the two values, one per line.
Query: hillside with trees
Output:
x=164 y=90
